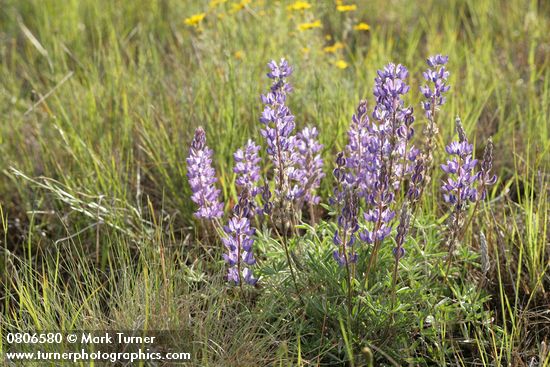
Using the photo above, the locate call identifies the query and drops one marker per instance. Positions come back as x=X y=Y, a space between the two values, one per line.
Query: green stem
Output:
x=349 y=277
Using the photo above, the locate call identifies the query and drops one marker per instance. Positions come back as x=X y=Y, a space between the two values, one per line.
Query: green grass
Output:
x=99 y=100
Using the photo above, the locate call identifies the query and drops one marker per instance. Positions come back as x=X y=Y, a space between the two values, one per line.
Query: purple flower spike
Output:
x=310 y=163
x=279 y=71
x=238 y=242
x=361 y=159
x=436 y=76
x=437 y=60
x=402 y=230
x=393 y=130
x=485 y=176
x=417 y=179
x=458 y=189
x=279 y=125
x=247 y=169
x=202 y=177
x=344 y=237
x=388 y=89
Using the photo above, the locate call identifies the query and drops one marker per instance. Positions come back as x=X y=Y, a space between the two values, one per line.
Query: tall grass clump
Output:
x=339 y=211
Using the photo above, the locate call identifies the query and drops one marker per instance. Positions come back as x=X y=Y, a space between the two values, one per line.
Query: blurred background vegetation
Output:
x=99 y=100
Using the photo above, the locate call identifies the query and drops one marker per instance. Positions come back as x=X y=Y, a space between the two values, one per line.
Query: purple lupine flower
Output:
x=436 y=76
x=346 y=201
x=345 y=235
x=361 y=161
x=278 y=128
x=266 y=199
x=279 y=71
x=402 y=230
x=436 y=87
x=416 y=181
x=247 y=169
x=310 y=163
x=344 y=180
x=238 y=242
x=389 y=86
x=390 y=157
x=485 y=176
x=380 y=214
x=202 y=176
x=393 y=130
x=459 y=188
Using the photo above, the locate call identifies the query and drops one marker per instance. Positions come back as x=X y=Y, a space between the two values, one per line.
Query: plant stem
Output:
x=349 y=277
x=284 y=240
x=239 y=263
x=288 y=259
x=375 y=246
x=394 y=281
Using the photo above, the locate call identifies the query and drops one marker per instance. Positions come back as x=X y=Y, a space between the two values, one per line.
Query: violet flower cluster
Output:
x=297 y=166
x=345 y=236
x=202 y=177
x=358 y=149
x=486 y=178
x=378 y=156
x=437 y=76
x=247 y=170
x=402 y=230
x=389 y=154
x=464 y=184
x=309 y=163
x=279 y=125
x=348 y=224
x=393 y=130
x=297 y=174
x=237 y=234
x=378 y=160
x=459 y=188
x=238 y=242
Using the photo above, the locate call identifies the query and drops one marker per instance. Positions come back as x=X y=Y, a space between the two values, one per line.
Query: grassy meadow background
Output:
x=99 y=100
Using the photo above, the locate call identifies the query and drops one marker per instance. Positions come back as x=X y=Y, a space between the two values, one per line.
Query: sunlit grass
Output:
x=99 y=100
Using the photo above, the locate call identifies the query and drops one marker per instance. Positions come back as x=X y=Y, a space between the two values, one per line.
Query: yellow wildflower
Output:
x=298 y=5
x=332 y=49
x=215 y=3
x=195 y=20
x=340 y=64
x=328 y=37
x=239 y=55
x=305 y=50
x=306 y=26
x=343 y=8
x=235 y=8
x=362 y=27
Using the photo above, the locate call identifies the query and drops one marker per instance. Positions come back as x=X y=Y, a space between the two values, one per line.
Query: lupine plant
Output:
x=202 y=178
x=247 y=170
x=464 y=185
x=379 y=173
x=278 y=131
x=434 y=93
x=310 y=166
